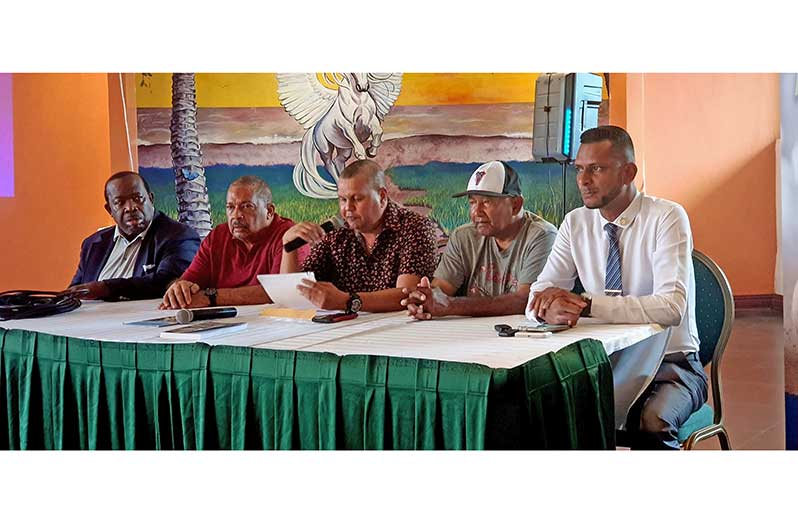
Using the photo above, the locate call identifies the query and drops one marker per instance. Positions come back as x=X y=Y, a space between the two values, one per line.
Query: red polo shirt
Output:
x=224 y=262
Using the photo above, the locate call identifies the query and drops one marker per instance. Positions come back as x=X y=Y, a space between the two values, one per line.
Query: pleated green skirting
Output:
x=68 y=393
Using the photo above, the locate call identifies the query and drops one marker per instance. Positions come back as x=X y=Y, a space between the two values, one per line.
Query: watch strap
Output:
x=586 y=311
x=210 y=292
x=354 y=303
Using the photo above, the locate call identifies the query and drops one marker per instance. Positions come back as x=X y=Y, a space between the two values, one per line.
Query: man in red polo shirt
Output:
x=225 y=270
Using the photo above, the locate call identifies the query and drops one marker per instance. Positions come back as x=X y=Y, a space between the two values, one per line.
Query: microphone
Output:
x=329 y=226
x=210 y=313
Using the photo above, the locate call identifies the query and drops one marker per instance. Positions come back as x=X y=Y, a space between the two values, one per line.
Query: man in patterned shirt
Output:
x=490 y=263
x=364 y=265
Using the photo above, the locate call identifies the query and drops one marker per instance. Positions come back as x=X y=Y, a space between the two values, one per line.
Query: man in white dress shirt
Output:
x=633 y=256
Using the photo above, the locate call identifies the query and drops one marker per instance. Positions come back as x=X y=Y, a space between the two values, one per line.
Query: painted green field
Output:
x=541 y=184
x=288 y=201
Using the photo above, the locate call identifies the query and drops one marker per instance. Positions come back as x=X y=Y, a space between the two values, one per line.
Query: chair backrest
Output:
x=714 y=316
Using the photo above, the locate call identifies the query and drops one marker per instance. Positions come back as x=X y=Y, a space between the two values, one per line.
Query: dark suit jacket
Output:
x=167 y=251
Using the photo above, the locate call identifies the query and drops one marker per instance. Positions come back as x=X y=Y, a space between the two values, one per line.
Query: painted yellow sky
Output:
x=260 y=89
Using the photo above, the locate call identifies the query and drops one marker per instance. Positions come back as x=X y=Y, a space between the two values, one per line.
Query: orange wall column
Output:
x=617 y=99
x=121 y=133
x=62 y=158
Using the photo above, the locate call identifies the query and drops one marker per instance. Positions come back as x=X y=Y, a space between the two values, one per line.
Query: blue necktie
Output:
x=612 y=281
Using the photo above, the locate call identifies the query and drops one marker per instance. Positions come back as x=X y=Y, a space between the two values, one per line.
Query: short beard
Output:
x=604 y=201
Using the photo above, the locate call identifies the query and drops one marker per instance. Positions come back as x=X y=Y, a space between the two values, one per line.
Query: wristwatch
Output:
x=354 y=303
x=210 y=292
x=589 y=299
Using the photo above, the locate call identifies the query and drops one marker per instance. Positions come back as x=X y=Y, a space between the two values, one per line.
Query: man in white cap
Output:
x=490 y=263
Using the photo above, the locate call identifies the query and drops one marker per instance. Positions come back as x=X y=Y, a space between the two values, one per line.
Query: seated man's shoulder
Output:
x=283 y=220
x=656 y=201
x=537 y=222
x=663 y=207
x=413 y=223
x=406 y=215
x=466 y=233
x=100 y=234
x=167 y=225
x=581 y=212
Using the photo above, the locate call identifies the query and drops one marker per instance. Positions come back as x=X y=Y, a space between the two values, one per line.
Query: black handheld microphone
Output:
x=210 y=313
x=329 y=226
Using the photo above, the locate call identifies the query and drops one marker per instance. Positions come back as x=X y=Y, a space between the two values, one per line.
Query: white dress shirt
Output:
x=122 y=261
x=656 y=267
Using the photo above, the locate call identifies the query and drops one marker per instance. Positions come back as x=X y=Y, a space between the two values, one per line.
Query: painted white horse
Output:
x=338 y=121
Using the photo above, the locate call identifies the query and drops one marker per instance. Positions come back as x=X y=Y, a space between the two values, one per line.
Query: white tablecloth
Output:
x=468 y=340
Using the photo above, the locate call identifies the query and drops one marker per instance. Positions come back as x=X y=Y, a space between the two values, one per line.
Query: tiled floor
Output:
x=752 y=375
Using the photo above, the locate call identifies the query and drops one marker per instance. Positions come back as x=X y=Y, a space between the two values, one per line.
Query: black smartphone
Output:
x=335 y=318
x=505 y=331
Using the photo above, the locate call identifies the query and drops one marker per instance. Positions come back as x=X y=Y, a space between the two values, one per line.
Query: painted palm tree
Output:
x=193 y=206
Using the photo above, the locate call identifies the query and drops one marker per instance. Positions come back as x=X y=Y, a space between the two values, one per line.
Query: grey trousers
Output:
x=678 y=389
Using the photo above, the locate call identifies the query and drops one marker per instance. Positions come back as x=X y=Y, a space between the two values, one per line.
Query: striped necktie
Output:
x=612 y=282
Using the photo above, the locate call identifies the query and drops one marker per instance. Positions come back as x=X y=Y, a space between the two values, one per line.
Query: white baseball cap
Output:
x=494 y=178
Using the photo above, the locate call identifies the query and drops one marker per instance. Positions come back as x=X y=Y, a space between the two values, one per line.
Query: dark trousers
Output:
x=678 y=390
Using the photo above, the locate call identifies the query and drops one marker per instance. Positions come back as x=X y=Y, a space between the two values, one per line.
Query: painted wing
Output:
x=384 y=88
x=304 y=97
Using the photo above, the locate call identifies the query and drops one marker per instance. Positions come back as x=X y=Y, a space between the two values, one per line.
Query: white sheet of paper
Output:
x=282 y=289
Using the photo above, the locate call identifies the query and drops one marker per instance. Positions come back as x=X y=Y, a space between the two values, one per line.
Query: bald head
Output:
x=369 y=169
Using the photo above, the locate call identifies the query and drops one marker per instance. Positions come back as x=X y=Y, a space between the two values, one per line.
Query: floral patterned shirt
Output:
x=406 y=245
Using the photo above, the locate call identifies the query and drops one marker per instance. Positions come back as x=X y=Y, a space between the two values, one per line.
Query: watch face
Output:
x=355 y=304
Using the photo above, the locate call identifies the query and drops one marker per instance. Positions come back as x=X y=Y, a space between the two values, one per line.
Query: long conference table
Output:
x=83 y=380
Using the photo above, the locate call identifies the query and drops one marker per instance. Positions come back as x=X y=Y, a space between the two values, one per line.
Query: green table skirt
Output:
x=67 y=393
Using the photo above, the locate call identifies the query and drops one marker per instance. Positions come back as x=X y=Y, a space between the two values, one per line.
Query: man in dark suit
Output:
x=142 y=254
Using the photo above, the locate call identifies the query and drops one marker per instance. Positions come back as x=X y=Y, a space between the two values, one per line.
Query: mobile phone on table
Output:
x=543 y=327
x=335 y=318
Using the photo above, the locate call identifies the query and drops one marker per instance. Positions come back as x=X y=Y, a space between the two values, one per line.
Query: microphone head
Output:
x=184 y=316
x=330 y=225
x=336 y=222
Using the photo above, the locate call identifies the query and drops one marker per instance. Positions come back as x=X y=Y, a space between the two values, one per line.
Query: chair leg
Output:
x=706 y=433
x=723 y=436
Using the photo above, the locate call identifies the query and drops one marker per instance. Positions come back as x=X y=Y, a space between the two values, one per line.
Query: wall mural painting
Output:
x=297 y=131
x=193 y=207
x=339 y=122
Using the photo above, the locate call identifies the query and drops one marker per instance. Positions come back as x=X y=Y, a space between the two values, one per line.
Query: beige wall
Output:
x=708 y=142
